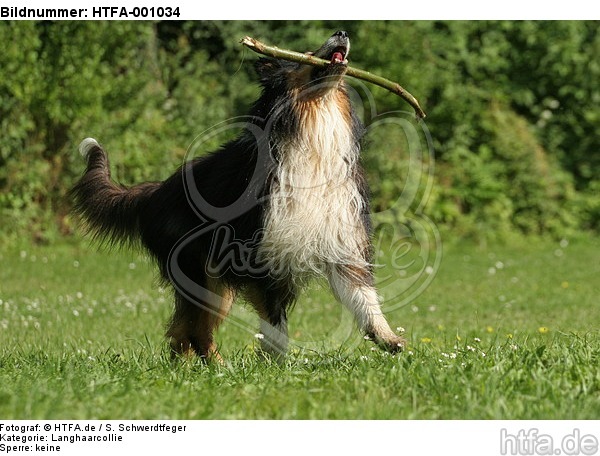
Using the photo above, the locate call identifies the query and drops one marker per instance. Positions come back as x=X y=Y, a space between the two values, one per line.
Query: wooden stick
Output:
x=308 y=59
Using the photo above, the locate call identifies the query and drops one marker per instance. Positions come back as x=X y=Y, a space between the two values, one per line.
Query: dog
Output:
x=285 y=202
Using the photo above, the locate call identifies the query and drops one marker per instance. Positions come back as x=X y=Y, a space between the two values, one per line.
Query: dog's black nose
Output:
x=341 y=33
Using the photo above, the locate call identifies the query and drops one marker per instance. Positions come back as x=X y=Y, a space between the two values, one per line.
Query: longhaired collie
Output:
x=283 y=203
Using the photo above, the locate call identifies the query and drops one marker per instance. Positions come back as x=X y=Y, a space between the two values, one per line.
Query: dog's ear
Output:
x=267 y=69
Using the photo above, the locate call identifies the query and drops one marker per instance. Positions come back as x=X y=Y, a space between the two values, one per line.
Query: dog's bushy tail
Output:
x=110 y=210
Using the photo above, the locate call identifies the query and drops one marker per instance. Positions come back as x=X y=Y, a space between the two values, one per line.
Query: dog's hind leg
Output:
x=353 y=287
x=271 y=299
x=193 y=323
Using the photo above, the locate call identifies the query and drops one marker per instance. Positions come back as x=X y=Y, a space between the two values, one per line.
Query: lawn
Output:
x=503 y=332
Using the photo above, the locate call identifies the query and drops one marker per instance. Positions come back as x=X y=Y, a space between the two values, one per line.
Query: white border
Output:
x=342 y=11
x=265 y=438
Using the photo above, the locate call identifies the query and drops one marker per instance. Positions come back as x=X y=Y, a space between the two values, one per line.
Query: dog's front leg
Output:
x=274 y=337
x=271 y=299
x=354 y=288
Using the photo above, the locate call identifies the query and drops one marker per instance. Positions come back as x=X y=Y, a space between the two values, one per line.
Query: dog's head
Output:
x=336 y=50
x=306 y=79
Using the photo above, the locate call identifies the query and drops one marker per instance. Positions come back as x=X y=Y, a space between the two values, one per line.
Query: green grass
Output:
x=81 y=338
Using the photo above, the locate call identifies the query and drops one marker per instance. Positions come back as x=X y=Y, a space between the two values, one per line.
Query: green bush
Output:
x=512 y=107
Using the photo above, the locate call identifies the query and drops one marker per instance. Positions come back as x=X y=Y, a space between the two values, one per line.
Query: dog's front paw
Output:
x=391 y=343
x=394 y=344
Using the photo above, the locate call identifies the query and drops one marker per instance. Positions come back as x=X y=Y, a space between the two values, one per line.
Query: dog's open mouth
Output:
x=339 y=55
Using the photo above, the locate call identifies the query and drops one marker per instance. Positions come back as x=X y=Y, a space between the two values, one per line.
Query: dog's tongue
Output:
x=337 y=57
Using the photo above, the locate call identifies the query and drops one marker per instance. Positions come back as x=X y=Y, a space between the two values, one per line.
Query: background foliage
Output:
x=513 y=109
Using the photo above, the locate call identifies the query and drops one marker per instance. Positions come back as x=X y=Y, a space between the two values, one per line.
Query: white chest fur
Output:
x=314 y=212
